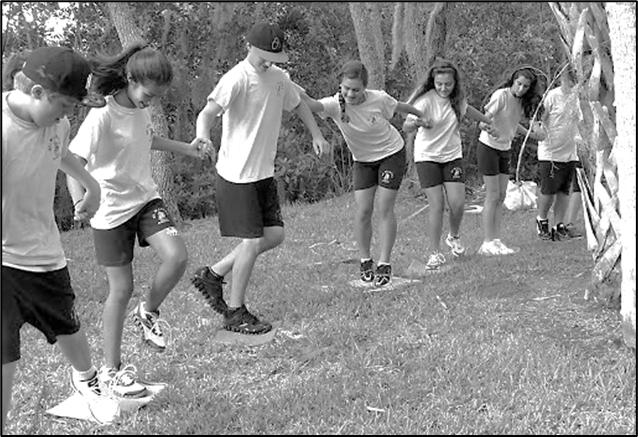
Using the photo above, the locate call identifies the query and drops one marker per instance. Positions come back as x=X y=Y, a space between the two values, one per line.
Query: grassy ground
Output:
x=504 y=345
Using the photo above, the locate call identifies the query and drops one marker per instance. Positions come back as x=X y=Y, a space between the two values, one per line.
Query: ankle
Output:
x=87 y=374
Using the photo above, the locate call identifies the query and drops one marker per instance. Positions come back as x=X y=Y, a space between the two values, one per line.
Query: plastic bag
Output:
x=521 y=195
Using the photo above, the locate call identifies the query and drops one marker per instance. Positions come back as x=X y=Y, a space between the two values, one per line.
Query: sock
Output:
x=215 y=275
x=383 y=264
x=87 y=374
x=540 y=219
x=365 y=259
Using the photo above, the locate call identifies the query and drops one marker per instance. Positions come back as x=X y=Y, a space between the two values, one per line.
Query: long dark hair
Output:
x=351 y=70
x=441 y=66
x=138 y=63
x=533 y=96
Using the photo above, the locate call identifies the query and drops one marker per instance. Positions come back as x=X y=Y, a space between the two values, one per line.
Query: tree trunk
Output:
x=622 y=30
x=161 y=162
x=367 y=26
x=436 y=32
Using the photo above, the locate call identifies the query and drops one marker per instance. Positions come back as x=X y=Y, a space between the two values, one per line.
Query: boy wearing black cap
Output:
x=36 y=286
x=251 y=97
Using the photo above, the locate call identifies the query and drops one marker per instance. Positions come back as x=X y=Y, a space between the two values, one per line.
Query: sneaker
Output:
x=488 y=248
x=455 y=244
x=102 y=408
x=121 y=383
x=566 y=233
x=211 y=288
x=435 y=261
x=383 y=275
x=367 y=274
x=242 y=321
x=504 y=249
x=152 y=326
x=542 y=229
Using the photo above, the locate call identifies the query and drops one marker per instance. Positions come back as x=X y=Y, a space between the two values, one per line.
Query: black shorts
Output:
x=492 y=162
x=115 y=247
x=556 y=177
x=244 y=210
x=432 y=174
x=44 y=300
x=386 y=173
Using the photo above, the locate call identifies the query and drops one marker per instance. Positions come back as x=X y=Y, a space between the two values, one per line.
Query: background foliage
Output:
x=205 y=39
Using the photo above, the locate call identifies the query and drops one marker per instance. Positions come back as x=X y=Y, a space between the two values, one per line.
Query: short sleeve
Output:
x=421 y=103
x=496 y=103
x=86 y=141
x=225 y=91
x=291 y=97
x=331 y=107
x=388 y=104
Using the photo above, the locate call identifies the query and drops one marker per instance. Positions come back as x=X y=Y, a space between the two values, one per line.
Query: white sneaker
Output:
x=435 y=261
x=121 y=383
x=152 y=326
x=455 y=244
x=489 y=248
x=103 y=409
x=504 y=249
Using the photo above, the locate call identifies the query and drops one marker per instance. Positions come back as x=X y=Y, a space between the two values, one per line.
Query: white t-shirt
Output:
x=368 y=133
x=116 y=142
x=561 y=122
x=508 y=112
x=441 y=143
x=31 y=158
x=253 y=103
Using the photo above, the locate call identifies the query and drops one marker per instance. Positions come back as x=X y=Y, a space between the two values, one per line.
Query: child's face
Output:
x=143 y=95
x=444 y=84
x=260 y=64
x=49 y=109
x=520 y=86
x=352 y=90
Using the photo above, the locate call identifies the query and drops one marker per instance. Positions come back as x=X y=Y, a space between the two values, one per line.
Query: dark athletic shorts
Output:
x=492 y=162
x=115 y=247
x=45 y=300
x=556 y=177
x=387 y=172
x=432 y=174
x=244 y=210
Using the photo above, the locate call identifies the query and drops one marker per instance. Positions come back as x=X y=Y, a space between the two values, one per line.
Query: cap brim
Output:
x=270 y=56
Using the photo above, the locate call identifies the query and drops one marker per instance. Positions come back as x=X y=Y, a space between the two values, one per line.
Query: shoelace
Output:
x=125 y=376
x=159 y=327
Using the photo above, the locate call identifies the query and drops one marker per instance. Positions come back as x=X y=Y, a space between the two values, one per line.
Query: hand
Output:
x=205 y=149
x=423 y=122
x=490 y=129
x=537 y=131
x=321 y=146
x=86 y=208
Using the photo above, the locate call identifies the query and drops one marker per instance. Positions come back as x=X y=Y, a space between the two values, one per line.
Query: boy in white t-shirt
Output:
x=36 y=285
x=252 y=97
x=556 y=158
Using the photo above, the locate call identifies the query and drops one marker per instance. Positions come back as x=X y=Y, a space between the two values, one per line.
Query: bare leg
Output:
x=364 y=200
x=114 y=314
x=435 y=216
x=171 y=250
x=387 y=223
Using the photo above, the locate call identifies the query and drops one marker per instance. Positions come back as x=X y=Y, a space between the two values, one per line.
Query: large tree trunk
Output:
x=161 y=162
x=622 y=30
x=367 y=26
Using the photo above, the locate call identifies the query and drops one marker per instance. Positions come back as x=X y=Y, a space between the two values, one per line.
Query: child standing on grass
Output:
x=378 y=151
x=115 y=143
x=438 y=152
x=555 y=157
x=517 y=98
x=36 y=285
x=251 y=97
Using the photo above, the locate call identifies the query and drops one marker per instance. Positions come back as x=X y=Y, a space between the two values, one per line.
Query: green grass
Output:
x=504 y=345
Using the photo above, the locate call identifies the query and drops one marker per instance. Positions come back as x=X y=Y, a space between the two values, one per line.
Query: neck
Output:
x=123 y=99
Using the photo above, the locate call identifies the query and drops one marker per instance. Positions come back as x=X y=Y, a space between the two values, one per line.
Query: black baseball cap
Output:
x=268 y=41
x=62 y=70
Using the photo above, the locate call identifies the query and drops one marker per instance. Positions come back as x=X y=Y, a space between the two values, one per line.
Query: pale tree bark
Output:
x=161 y=162
x=367 y=25
x=622 y=30
x=436 y=32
